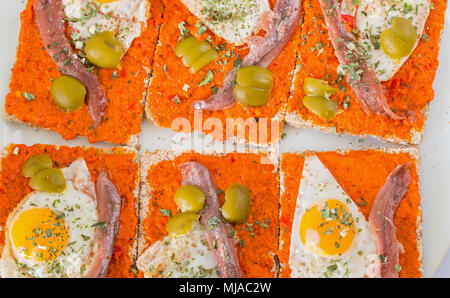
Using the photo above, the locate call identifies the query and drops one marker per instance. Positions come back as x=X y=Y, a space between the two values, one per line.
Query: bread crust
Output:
x=295 y=120
x=131 y=142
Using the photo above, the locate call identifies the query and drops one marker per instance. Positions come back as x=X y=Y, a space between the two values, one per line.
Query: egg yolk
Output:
x=106 y=1
x=327 y=229
x=40 y=234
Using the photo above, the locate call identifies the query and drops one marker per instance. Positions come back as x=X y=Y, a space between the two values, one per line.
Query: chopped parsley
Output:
x=28 y=96
x=332 y=268
x=213 y=222
x=165 y=212
x=262 y=224
x=208 y=79
x=238 y=62
x=176 y=99
x=100 y=225
x=202 y=29
x=183 y=31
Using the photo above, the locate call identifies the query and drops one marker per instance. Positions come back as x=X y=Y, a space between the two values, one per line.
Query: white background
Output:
x=435 y=149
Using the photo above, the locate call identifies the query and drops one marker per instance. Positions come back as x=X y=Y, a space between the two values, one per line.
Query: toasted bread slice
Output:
x=120 y=163
x=409 y=92
x=173 y=88
x=361 y=173
x=31 y=103
x=258 y=236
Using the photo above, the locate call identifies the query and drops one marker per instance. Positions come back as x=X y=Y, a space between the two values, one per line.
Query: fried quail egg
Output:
x=330 y=236
x=183 y=256
x=375 y=16
x=126 y=18
x=233 y=20
x=53 y=234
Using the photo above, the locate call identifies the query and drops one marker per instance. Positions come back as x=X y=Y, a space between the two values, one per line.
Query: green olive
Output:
x=181 y=223
x=321 y=106
x=68 y=93
x=251 y=96
x=50 y=180
x=398 y=41
x=315 y=87
x=238 y=203
x=204 y=60
x=104 y=50
x=183 y=47
x=255 y=76
x=253 y=86
x=35 y=164
x=189 y=198
x=195 y=52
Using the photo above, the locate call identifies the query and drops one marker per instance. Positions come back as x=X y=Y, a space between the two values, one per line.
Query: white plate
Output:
x=435 y=149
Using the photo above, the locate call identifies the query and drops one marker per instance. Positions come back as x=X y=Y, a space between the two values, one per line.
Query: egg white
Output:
x=126 y=18
x=80 y=213
x=233 y=20
x=317 y=186
x=375 y=16
x=184 y=256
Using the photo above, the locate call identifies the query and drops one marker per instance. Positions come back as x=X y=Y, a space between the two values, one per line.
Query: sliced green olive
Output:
x=204 y=60
x=35 y=164
x=104 y=50
x=189 y=198
x=255 y=76
x=68 y=93
x=238 y=203
x=183 y=47
x=49 y=180
x=321 y=106
x=253 y=86
x=398 y=41
x=195 y=54
x=251 y=96
x=315 y=87
x=181 y=223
